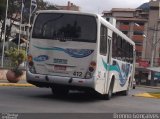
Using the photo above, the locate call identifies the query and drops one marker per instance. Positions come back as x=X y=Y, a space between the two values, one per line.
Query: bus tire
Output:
x=110 y=91
x=126 y=92
x=134 y=87
x=59 y=91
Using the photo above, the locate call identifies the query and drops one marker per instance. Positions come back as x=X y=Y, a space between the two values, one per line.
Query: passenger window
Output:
x=103 y=40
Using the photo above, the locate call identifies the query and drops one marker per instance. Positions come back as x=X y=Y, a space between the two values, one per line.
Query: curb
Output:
x=16 y=85
x=148 y=87
x=148 y=95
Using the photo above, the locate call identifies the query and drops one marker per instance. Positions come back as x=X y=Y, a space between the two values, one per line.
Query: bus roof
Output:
x=102 y=20
x=67 y=12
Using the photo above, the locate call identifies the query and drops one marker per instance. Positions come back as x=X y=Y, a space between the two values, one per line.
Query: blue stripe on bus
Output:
x=122 y=75
x=76 y=53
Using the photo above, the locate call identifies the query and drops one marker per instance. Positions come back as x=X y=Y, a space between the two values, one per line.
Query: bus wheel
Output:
x=126 y=92
x=110 y=91
x=59 y=91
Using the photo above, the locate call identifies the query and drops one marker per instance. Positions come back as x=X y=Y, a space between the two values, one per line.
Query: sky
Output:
x=98 y=6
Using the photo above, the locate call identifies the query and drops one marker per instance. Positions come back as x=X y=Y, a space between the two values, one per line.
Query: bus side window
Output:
x=119 y=46
x=109 y=49
x=114 y=47
x=103 y=40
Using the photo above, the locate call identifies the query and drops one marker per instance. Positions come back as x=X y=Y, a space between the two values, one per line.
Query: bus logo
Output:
x=41 y=58
x=79 y=53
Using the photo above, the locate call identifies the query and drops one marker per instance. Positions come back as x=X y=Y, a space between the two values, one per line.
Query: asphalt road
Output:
x=41 y=100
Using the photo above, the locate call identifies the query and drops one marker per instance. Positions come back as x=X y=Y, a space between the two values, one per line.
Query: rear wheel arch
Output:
x=126 y=92
x=108 y=96
x=129 y=81
x=112 y=82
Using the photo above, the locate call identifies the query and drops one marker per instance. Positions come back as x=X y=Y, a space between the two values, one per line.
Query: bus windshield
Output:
x=60 y=26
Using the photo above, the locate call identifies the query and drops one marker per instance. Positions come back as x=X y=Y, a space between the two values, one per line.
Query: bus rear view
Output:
x=62 y=51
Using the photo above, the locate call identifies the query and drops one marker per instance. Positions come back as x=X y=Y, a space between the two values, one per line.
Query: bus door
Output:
x=103 y=60
x=108 y=60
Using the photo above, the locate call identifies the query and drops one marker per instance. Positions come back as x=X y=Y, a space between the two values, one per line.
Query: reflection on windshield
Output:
x=69 y=31
x=65 y=27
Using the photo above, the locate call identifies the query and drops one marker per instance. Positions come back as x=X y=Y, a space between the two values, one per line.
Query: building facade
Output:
x=132 y=23
x=142 y=25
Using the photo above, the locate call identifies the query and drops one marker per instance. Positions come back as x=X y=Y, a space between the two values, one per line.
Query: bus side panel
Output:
x=101 y=75
x=100 y=72
x=122 y=72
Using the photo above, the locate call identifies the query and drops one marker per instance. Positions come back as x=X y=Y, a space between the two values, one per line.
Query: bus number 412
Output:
x=77 y=74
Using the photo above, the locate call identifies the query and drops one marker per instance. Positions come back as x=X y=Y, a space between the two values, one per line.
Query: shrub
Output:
x=17 y=57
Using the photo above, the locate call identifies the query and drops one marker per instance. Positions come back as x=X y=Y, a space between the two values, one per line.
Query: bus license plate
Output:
x=59 y=68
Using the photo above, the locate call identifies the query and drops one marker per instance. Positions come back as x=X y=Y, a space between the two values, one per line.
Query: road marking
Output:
x=17 y=85
x=149 y=95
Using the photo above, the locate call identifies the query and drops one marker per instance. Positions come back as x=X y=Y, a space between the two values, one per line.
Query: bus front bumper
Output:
x=41 y=80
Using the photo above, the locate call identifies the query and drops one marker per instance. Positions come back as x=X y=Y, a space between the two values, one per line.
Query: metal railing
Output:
x=8 y=64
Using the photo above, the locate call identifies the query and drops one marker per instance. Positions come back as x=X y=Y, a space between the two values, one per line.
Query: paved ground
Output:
x=38 y=100
x=23 y=83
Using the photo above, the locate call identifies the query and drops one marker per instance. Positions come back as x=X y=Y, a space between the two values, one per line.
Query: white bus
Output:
x=79 y=51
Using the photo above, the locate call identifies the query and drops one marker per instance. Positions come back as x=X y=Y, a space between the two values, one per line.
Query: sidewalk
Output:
x=149 y=95
x=155 y=95
x=153 y=87
x=21 y=83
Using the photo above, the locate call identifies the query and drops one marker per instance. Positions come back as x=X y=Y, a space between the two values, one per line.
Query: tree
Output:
x=45 y=5
x=11 y=9
x=2 y=9
x=14 y=10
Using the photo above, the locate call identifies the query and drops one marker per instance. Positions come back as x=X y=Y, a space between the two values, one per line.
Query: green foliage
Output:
x=2 y=9
x=17 y=57
x=14 y=10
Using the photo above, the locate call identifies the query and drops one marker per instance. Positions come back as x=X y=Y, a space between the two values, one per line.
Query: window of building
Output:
x=138 y=33
x=138 y=43
x=138 y=54
x=140 y=23
x=124 y=23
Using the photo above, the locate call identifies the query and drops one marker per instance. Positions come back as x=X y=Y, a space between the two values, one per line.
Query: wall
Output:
x=3 y=75
x=123 y=14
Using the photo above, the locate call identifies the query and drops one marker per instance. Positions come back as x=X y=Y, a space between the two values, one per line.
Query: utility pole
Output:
x=153 y=47
x=2 y=59
x=20 y=24
x=29 y=26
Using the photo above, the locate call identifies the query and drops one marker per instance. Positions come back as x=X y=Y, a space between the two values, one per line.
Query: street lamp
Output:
x=144 y=36
x=137 y=24
x=153 y=45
